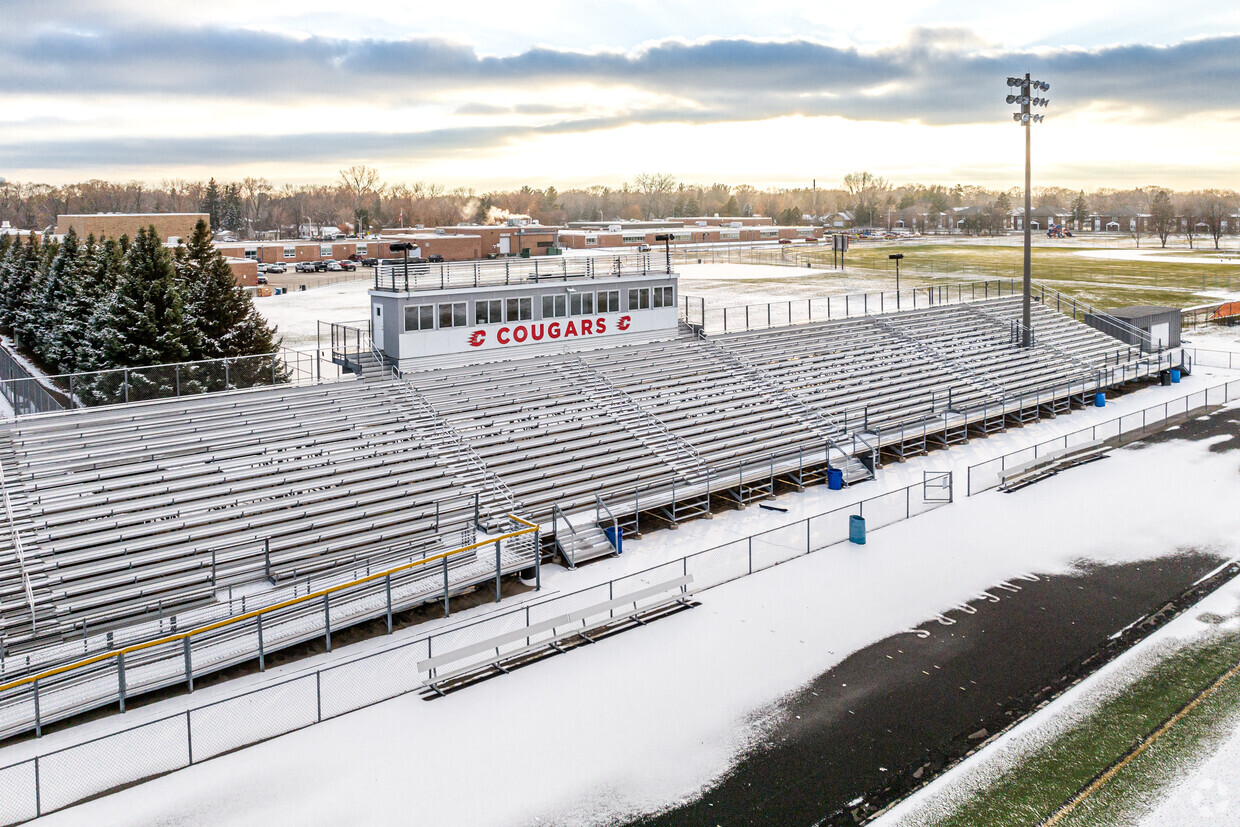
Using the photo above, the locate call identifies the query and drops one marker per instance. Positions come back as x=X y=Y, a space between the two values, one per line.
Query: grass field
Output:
x=1052 y=775
x=1156 y=277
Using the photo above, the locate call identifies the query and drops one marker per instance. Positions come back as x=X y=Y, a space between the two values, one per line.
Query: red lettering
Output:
x=586 y=326
x=519 y=333
x=553 y=330
x=623 y=324
x=570 y=329
x=600 y=325
x=536 y=332
x=502 y=336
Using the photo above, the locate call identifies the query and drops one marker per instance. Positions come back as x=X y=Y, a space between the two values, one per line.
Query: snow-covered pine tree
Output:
x=10 y=264
x=104 y=269
x=224 y=316
x=21 y=296
x=53 y=340
x=142 y=323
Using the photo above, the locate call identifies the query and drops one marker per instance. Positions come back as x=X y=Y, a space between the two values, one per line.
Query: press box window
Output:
x=580 y=304
x=419 y=317
x=488 y=312
x=609 y=301
x=452 y=315
x=639 y=298
x=663 y=297
x=554 y=306
x=518 y=310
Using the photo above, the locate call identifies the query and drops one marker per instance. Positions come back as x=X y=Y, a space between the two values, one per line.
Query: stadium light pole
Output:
x=896 y=258
x=1025 y=87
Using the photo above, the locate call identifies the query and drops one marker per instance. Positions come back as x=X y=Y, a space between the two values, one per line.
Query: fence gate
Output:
x=936 y=486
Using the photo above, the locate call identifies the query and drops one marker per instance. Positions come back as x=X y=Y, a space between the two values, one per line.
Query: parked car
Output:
x=320 y=266
x=305 y=266
x=332 y=266
x=276 y=268
x=262 y=279
x=348 y=265
x=370 y=262
x=435 y=259
x=785 y=241
x=643 y=248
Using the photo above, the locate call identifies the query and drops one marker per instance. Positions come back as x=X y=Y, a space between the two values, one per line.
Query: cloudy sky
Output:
x=488 y=94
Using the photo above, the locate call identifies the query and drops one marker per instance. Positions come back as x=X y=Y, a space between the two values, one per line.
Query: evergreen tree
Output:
x=54 y=337
x=732 y=208
x=1080 y=209
x=211 y=203
x=142 y=323
x=230 y=208
x=223 y=315
x=20 y=288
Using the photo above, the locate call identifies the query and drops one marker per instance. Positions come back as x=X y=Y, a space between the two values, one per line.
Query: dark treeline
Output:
x=360 y=201
x=97 y=304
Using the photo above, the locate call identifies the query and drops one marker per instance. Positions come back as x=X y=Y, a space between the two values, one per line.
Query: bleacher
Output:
x=135 y=511
x=127 y=513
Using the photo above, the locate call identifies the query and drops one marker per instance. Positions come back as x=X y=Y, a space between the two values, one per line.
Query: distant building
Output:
x=169 y=226
x=291 y=252
x=625 y=235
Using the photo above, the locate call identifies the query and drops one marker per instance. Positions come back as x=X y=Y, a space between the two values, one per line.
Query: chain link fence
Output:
x=58 y=779
x=141 y=384
x=984 y=476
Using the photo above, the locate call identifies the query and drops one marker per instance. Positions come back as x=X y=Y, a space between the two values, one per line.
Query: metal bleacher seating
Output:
x=122 y=514
x=132 y=511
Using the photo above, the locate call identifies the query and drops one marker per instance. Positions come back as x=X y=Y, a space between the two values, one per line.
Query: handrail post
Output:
x=387 y=587
x=327 y=620
x=537 y=562
x=497 y=571
x=120 y=677
x=262 y=656
x=447 y=610
x=189 y=664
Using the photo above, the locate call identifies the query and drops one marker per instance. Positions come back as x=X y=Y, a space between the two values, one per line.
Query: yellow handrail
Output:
x=137 y=647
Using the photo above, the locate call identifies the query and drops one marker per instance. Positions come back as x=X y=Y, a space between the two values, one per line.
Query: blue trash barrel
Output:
x=615 y=536
x=1100 y=400
x=1175 y=376
x=835 y=479
x=856 y=529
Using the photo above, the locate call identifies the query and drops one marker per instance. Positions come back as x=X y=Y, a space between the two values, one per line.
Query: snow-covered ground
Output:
x=1218 y=257
x=650 y=717
x=297 y=314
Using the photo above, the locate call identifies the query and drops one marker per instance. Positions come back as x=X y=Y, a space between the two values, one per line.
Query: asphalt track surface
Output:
x=873 y=728
x=907 y=704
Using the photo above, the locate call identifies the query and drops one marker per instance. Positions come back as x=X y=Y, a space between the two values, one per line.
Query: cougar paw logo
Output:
x=624 y=322
x=477 y=337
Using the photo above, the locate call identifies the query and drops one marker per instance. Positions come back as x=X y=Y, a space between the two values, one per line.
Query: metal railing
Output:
x=734 y=318
x=408 y=276
x=984 y=476
x=22 y=390
x=82 y=685
x=60 y=778
x=174 y=380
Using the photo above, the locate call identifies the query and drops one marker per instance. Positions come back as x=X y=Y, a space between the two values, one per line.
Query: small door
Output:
x=1160 y=334
x=505 y=245
x=376 y=327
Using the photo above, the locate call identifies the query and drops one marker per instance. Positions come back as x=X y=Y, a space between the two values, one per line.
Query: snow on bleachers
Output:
x=122 y=509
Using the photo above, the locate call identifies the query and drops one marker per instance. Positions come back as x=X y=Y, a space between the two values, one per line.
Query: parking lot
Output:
x=293 y=280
